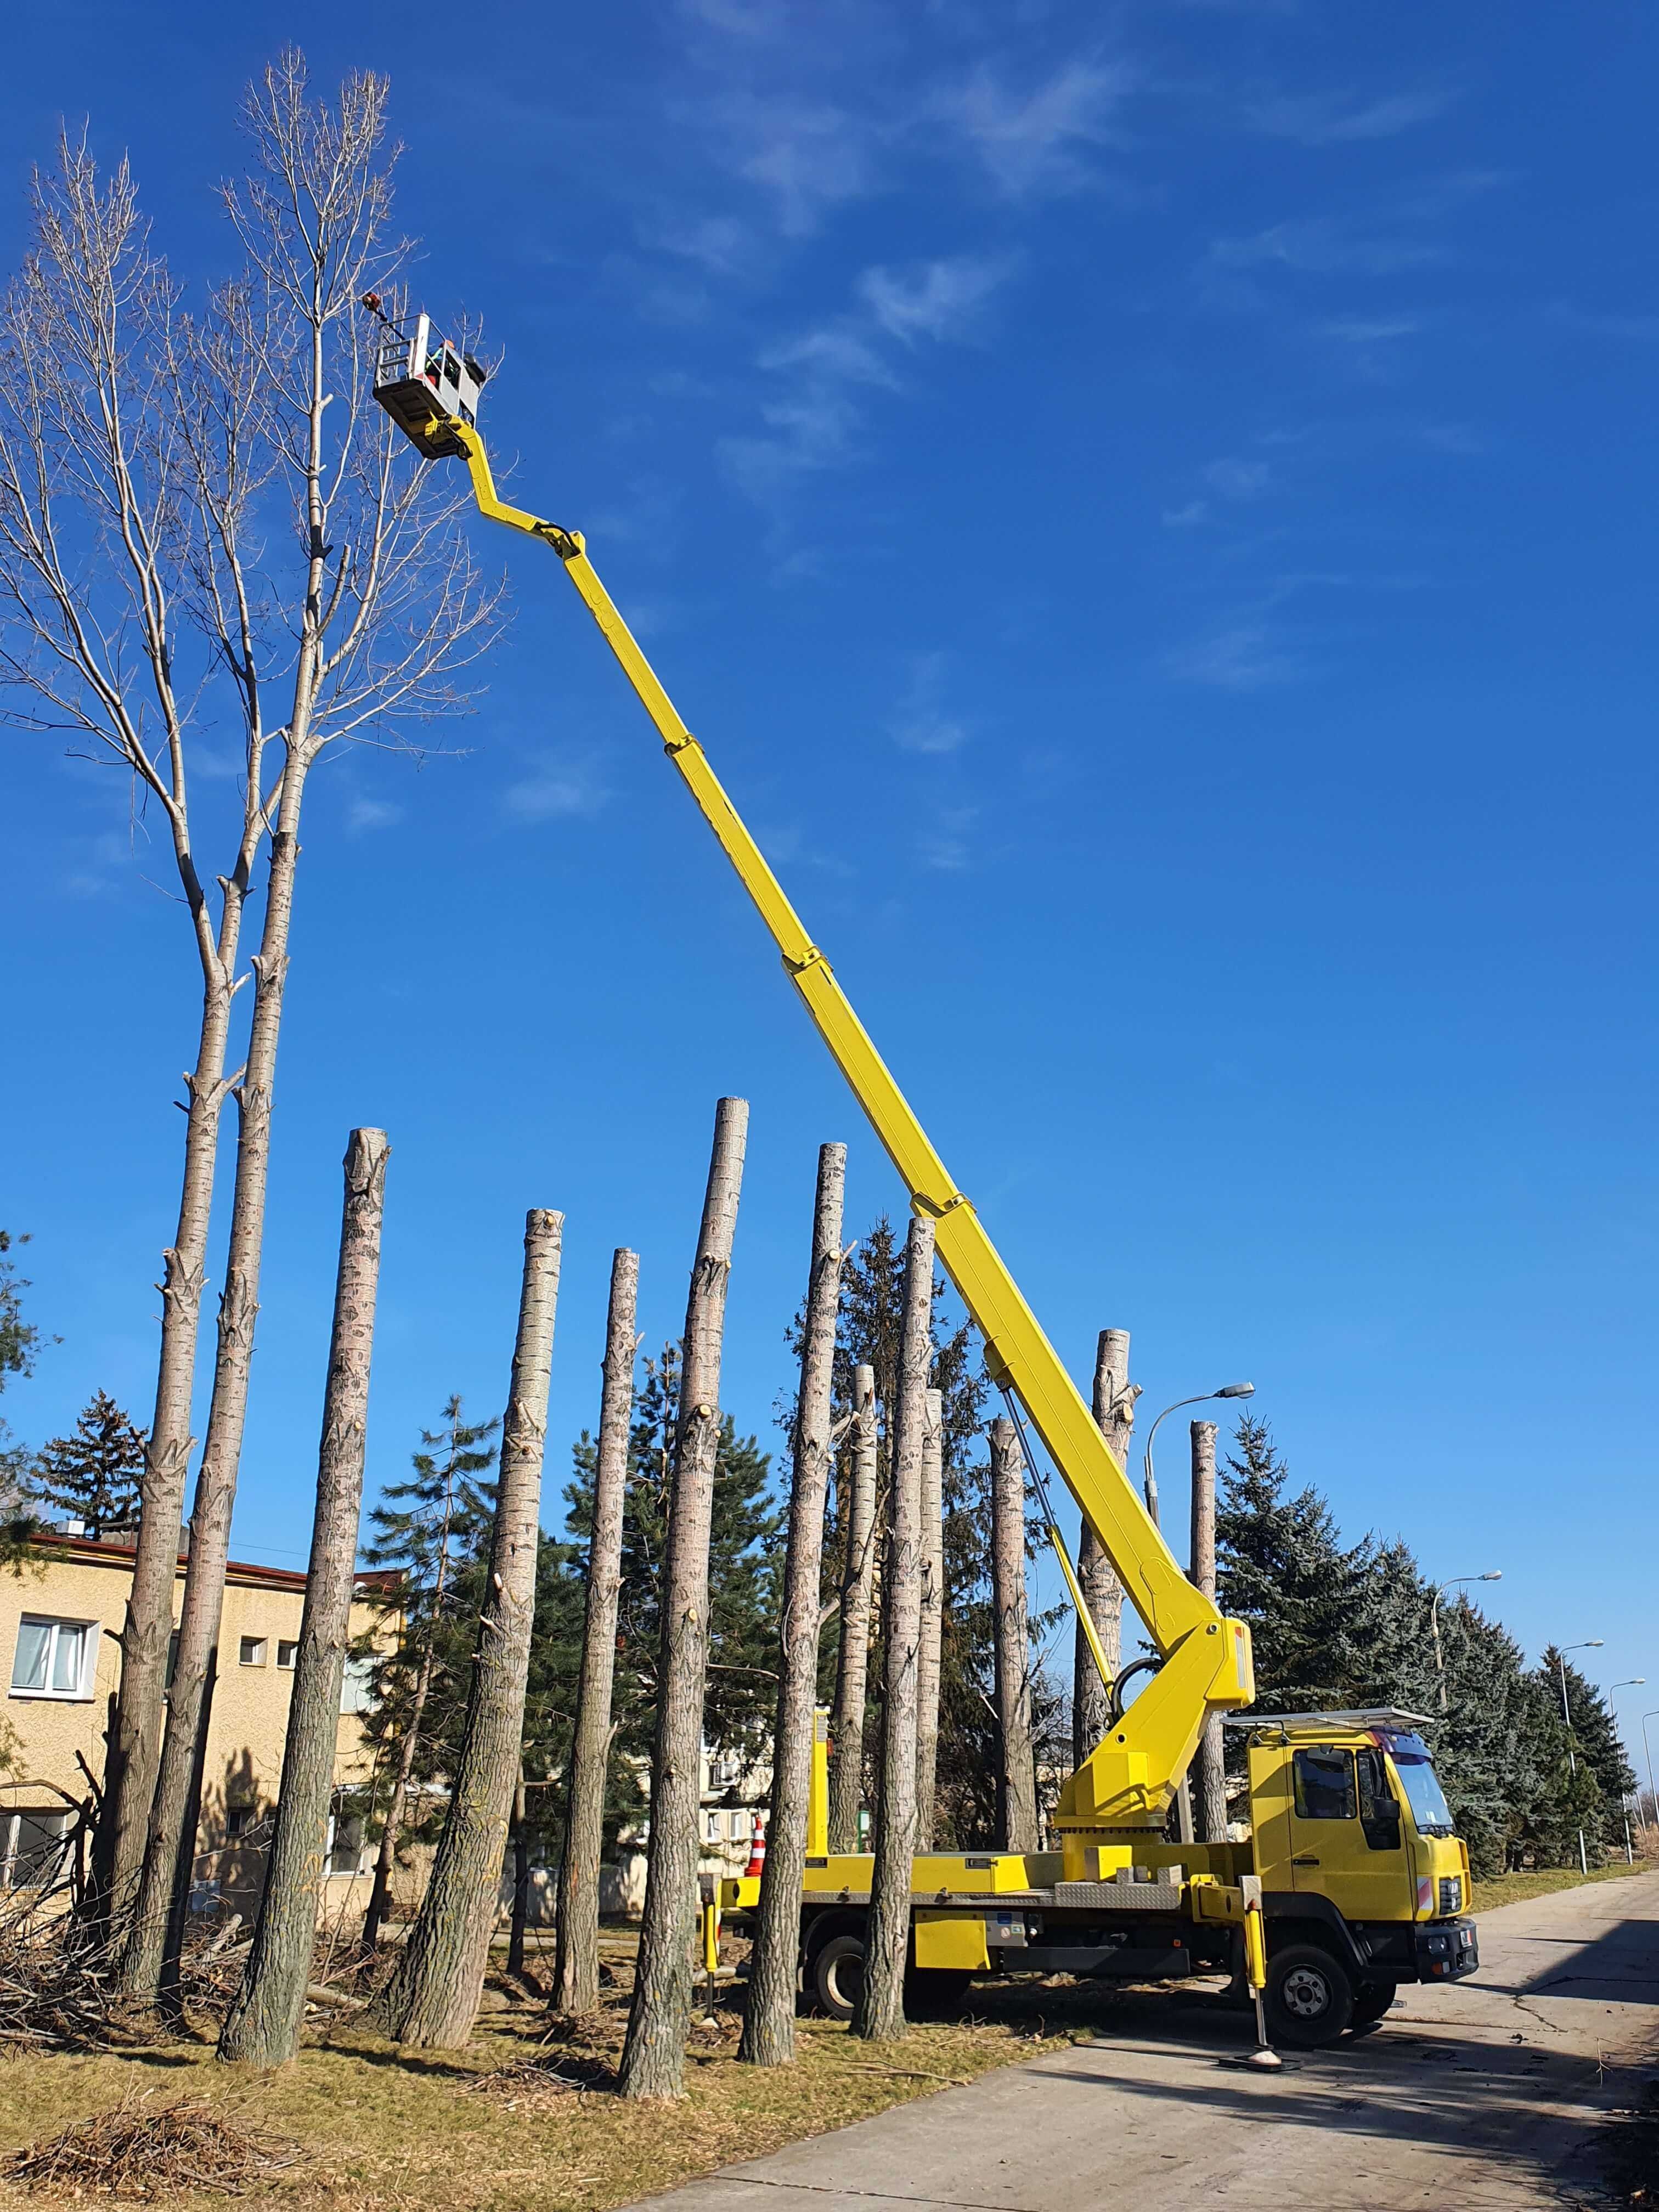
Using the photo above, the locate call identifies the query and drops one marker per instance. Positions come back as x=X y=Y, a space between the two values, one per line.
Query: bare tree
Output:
x=262 y=2025
x=769 y=2027
x=880 y=2013
x=188 y=541
x=431 y=2000
x=856 y=1596
x=1209 y=1767
x=654 y=2056
x=576 y=1969
x=1114 y=1399
x=931 y=1644
x=1016 y=1781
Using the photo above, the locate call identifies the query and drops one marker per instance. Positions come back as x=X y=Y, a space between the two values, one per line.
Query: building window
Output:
x=345 y=1844
x=53 y=1658
x=33 y=1846
x=286 y=1650
x=741 y=1827
x=712 y=1827
x=253 y=1652
x=239 y=1818
x=357 y=1685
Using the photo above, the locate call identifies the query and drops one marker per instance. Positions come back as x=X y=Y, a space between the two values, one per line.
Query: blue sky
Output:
x=1150 y=511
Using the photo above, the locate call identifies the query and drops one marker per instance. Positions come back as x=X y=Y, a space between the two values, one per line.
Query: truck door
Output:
x=1346 y=1842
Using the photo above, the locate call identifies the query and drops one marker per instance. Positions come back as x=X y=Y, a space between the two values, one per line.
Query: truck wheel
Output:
x=1309 y=1997
x=838 y=1975
x=1371 y=2000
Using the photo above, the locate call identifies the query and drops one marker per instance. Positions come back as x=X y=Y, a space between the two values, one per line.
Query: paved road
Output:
x=1483 y=2098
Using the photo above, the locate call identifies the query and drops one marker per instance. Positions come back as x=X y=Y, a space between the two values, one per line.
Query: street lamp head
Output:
x=1235 y=1390
x=1495 y=1575
x=1594 y=1643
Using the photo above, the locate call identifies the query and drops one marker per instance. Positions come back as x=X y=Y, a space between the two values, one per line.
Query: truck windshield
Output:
x=1421 y=1784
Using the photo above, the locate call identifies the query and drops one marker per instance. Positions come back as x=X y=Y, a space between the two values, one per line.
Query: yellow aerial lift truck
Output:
x=1352 y=1880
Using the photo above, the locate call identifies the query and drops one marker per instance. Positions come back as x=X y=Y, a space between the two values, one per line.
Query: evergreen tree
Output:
x=19 y=1342
x=1281 y=1566
x=872 y=1303
x=93 y=1476
x=745 y=1566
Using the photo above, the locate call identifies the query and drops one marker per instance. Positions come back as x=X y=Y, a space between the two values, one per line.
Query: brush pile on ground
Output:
x=139 y=2149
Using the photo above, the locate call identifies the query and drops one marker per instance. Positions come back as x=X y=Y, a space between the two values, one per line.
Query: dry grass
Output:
x=521 y=2117
x=140 y=2150
x=1516 y=1888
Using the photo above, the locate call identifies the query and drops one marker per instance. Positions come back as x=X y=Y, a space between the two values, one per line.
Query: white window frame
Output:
x=262 y=1645
x=11 y=1824
x=357 y=1685
x=85 y=1690
x=291 y=1645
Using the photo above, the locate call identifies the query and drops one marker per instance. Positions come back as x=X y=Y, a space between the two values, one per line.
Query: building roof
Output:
x=106 y=1552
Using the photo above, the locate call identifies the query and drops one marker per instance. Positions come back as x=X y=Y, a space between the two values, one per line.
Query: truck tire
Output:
x=1309 y=1998
x=1371 y=2000
x=838 y=1975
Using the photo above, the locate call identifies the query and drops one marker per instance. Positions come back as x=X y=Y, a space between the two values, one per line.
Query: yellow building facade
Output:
x=61 y=1614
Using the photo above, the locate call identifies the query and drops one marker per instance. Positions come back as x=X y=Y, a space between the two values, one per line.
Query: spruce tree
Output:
x=93 y=1476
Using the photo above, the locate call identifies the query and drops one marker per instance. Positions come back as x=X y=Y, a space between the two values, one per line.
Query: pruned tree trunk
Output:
x=769 y=2027
x=880 y=2013
x=576 y=1968
x=1209 y=1768
x=262 y=2025
x=858 y=1584
x=431 y=2000
x=654 y=2056
x=930 y=1648
x=1114 y=1399
x=1017 y=1779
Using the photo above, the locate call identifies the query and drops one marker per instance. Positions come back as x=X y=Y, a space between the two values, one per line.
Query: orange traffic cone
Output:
x=756 y=1849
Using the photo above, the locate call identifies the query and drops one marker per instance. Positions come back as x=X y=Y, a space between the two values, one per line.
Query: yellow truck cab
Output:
x=1361 y=1883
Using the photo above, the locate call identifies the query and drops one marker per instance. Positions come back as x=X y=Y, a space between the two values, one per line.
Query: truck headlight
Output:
x=1451 y=1893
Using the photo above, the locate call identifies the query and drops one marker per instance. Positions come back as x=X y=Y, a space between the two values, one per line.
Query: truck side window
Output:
x=1379 y=1808
x=1323 y=1783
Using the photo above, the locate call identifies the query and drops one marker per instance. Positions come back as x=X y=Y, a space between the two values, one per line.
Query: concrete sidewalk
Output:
x=1483 y=2098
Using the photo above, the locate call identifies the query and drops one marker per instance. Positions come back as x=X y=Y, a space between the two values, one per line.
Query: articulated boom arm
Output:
x=1128 y=1781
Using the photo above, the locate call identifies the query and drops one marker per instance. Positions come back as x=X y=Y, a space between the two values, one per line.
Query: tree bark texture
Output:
x=857 y=1594
x=141 y=1706
x=1016 y=1781
x=769 y=2027
x=1209 y=1768
x=431 y=2000
x=654 y=2056
x=931 y=1646
x=520 y=1918
x=880 y=2013
x=576 y=1970
x=262 y=2025
x=1114 y=1399
x=168 y=1849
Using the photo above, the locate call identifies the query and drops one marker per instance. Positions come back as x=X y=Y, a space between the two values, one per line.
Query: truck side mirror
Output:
x=1382 y=1825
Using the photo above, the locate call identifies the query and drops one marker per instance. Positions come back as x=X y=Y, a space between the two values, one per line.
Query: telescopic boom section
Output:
x=1129 y=1780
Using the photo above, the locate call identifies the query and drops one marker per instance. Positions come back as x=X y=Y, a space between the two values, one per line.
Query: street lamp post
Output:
x=1149 y=1480
x=1630 y=1682
x=1592 y=1643
x=1495 y=1575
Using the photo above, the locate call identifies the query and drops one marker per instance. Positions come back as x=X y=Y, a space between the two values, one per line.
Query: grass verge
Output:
x=383 y=2130
x=1514 y=1888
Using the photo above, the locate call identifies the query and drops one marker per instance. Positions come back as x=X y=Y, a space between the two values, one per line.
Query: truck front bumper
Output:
x=1446 y=1950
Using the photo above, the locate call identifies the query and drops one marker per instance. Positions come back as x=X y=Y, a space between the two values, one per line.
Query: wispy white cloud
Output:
x=920 y=722
x=947 y=846
x=1238 y=479
x=1370 y=330
x=555 y=791
x=102 y=862
x=1336 y=118
x=1244 y=656
x=372 y=814
x=1319 y=245
x=937 y=300
x=1035 y=140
